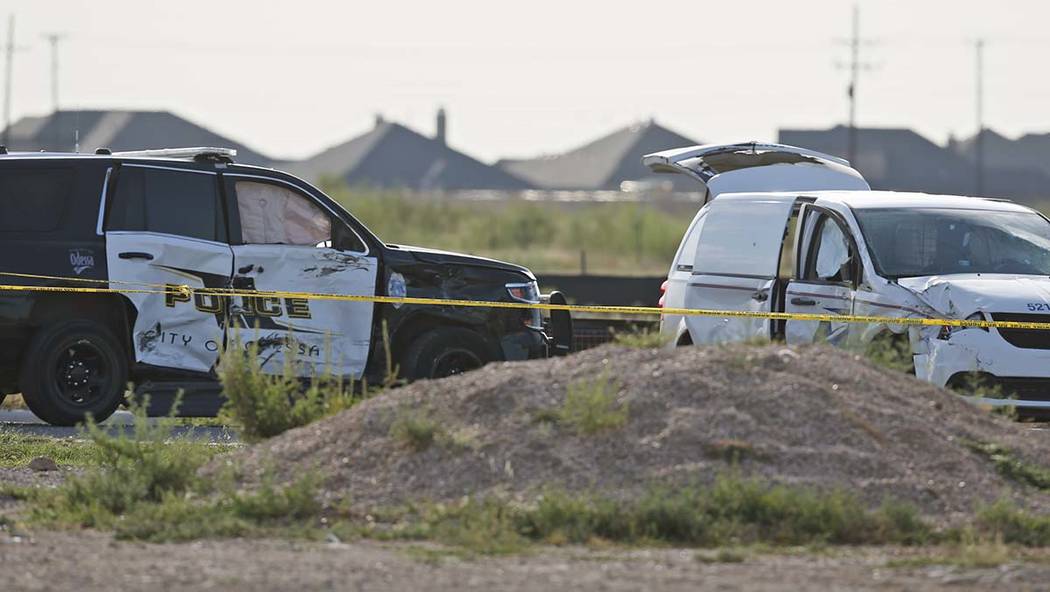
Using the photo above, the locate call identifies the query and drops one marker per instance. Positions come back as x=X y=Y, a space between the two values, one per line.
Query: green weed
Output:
x=1003 y=521
x=262 y=405
x=17 y=449
x=1010 y=466
x=590 y=406
x=891 y=351
x=645 y=339
x=141 y=466
x=416 y=428
x=624 y=238
x=732 y=512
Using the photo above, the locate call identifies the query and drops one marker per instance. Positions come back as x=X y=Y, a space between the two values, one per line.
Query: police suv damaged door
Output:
x=736 y=266
x=165 y=226
x=287 y=241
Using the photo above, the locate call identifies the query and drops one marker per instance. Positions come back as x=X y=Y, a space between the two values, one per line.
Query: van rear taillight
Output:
x=663 y=294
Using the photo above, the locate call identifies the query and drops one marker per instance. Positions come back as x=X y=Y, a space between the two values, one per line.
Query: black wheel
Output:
x=444 y=352
x=72 y=369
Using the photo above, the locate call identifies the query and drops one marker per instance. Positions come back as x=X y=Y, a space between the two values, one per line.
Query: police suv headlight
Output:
x=525 y=292
x=947 y=331
x=528 y=292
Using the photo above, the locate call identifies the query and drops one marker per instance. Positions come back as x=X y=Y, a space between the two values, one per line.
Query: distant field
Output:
x=548 y=237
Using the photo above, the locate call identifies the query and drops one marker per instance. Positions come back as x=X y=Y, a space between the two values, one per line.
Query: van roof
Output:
x=901 y=199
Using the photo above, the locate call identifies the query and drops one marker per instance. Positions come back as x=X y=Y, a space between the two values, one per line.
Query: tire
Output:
x=444 y=352
x=71 y=369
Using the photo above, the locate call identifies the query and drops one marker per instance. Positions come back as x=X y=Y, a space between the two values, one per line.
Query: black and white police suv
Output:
x=192 y=217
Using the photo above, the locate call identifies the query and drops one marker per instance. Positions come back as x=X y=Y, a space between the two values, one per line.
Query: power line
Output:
x=54 y=39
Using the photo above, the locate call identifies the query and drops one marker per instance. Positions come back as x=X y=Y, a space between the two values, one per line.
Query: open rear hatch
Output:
x=756 y=167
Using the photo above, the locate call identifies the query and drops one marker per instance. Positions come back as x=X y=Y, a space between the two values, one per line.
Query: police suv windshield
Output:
x=940 y=241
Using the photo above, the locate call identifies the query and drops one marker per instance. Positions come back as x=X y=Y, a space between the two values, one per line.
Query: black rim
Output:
x=455 y=362
x=82 y=373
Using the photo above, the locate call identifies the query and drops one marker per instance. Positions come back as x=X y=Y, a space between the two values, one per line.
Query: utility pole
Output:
x=978 y=142
x=854 y=71
x=854 y=66
x=54 y=39
x=9 y=60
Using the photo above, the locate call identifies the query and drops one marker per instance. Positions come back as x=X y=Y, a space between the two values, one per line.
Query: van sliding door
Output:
x=735 y=266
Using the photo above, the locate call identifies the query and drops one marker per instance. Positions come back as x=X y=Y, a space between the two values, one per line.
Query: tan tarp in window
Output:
x=271 y=214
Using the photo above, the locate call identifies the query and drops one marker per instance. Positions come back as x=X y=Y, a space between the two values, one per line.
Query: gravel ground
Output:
x=812 y=416
x=88 y=561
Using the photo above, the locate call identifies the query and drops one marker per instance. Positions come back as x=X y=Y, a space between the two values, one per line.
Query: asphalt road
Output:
x=23 y=421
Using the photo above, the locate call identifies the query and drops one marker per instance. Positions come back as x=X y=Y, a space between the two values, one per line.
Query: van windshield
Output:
x=917 y=242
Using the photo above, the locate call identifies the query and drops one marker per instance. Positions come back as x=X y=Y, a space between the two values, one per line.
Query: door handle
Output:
x=136 y=255
x=760 y=295
x=803 y=301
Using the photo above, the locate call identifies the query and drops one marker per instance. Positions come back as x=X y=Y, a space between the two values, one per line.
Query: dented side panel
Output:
x=320 y=335
x=172 y=331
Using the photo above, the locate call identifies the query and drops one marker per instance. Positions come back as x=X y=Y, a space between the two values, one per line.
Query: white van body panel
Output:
x=735 y=265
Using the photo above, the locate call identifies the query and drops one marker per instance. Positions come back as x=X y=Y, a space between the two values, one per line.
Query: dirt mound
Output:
x=812 y=416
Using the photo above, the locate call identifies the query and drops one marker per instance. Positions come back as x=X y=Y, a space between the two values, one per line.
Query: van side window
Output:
x=276 y=215
x=830 y=258
x=169 y=202
x=34 y=200
x=684 y=259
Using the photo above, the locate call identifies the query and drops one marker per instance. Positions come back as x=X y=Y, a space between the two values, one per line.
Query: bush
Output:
x=228 y=513
x=262 y=405
x=618 y=237
x=143 y=466
x=731 y=512
x=1004 y=522
x=892 y=351
x=645 y=339
x=590 y=406
x=1010 y=466
x=416 y=428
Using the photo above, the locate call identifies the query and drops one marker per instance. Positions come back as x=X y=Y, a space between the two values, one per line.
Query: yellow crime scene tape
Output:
x=188 y=291
x=185 y=290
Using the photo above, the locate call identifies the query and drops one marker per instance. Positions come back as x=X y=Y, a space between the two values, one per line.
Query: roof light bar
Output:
x=180 y=153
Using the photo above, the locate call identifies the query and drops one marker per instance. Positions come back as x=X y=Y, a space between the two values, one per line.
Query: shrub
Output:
x=144 y=465
x=1010 y=466
x=1005 y=522
x=590 y=406
x=228 y=513
x=617 y=236
x=645 y=339
x=891 y=351
x=262 y=405
x=732 y=511
x=416 y=428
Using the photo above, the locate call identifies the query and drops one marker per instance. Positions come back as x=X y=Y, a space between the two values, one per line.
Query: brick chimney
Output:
x=442 y=123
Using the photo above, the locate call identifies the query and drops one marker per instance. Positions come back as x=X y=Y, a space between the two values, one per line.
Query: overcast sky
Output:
x=524 y=78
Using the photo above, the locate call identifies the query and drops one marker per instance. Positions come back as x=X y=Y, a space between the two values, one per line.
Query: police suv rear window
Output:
x=34 y=200
x=167 y=201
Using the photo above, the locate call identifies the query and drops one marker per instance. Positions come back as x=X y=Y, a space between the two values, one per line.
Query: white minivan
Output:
x=856 y=251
